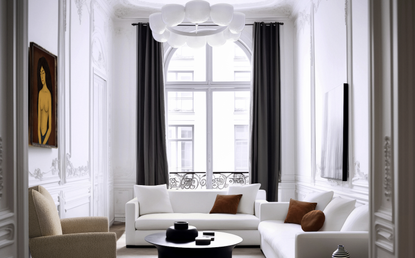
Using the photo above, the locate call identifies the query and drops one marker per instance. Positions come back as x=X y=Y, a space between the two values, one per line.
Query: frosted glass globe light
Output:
x=238 y=22
x=173 y=14
x=156 y=23
x=216 y=40
x=176 y=40
x=162 y=37
x=221 y=14
x=197 y=11
x=196 y=42
x=231 y=36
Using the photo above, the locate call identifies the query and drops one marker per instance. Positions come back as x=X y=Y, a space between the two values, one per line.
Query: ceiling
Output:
x=253 y=9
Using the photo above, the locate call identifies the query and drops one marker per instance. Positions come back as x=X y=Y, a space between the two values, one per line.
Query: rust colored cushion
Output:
x=226 y=204
x=297 y=210
x=313 y=221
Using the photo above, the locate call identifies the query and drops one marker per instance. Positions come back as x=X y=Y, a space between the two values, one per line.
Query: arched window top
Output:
x=226 y=64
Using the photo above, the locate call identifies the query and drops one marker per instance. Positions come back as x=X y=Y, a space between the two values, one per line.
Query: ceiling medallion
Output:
x=225 y=24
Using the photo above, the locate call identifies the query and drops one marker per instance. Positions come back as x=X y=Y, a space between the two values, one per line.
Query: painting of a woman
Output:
x=43 y=98
x=44 y=105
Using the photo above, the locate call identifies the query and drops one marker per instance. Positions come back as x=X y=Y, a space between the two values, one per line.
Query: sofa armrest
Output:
x=98 y=244
x=273 y=210
x=258 y=206
x=84 y=225
x=132 y=212
x=324 y=243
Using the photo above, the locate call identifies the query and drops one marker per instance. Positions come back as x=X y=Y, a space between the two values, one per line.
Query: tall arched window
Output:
x=208 y=102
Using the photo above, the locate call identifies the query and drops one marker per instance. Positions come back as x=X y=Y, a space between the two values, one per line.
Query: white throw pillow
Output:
x=153 y=199
x=321 y=198
x=249 y=192
x=336 y=213
x=358 y=220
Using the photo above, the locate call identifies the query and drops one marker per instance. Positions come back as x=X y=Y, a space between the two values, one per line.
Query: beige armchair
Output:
x=50 y=236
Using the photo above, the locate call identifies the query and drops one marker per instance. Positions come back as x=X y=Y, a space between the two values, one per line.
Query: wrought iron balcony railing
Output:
x=197 y=180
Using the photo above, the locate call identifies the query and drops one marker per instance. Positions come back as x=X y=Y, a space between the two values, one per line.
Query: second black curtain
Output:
x=266 y=114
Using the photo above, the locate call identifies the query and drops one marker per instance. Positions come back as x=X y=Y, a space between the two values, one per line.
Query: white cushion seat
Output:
x=202 y=221
x=280 y=236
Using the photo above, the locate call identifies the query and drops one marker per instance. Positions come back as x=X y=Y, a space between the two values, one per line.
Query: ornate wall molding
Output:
x=302 y=20
x=1 y=168
x=79 y=5
x=64 y=14
x=98 y=54
x=358 y=174
x=387 y=179
x=385 y=237
x=7 y=232
x=39 y=175
x=75 y=172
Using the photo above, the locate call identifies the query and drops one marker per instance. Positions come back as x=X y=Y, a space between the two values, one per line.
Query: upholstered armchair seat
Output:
x=50 y=236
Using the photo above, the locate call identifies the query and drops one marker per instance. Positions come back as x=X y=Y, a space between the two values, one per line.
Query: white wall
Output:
x=79 y=33
x=331 y=48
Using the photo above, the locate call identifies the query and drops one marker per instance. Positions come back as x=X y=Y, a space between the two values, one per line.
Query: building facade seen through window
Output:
x=208 y=102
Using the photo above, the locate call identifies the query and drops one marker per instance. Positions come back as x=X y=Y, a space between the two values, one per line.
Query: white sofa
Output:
x=344 y=224
x=193 y=206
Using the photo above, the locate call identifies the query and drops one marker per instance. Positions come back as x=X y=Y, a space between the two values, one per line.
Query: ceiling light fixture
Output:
x=227 y=24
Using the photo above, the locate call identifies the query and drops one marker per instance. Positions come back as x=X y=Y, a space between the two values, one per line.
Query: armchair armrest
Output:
x=324 y=243
x=83 y=245
x=273 y=210
x=84 y=225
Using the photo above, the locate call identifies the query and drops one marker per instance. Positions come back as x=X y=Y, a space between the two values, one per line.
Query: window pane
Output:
x=187 y=133
x=230 y=134
x=180 y=101
x=241 y=148
x=230 y=63
x=242 y=101
x=187 y=64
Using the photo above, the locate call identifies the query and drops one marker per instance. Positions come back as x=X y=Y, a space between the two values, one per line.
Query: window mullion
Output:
x=209 y=139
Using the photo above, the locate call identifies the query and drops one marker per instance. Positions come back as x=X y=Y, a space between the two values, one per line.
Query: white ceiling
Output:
x=141 y=9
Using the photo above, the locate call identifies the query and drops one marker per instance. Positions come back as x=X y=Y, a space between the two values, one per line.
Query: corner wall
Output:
x=331 y=48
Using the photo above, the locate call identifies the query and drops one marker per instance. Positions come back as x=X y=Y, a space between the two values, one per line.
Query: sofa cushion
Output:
x=202 y=221
x=321 y=198
x=336 y=213
x=226 y=204
x=193 y=201
x=297 y=210
x=313 y=220
x=358 y=220
x=153 y=199
x=280 y=236
x=43 y=216
x=249 y=193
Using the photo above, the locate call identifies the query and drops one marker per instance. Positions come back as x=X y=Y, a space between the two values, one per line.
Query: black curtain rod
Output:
x=184 y=25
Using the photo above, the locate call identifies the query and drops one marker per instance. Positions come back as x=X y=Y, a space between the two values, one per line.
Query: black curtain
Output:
x=266 y=115
x=152 y=167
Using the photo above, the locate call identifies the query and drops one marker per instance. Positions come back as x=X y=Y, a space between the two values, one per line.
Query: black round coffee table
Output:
x=221 y=247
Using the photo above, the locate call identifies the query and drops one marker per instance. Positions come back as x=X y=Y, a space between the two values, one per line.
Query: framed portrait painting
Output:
x=43 y=98
x=335 y=131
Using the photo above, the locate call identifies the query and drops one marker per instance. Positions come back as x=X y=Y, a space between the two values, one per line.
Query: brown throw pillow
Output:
x=313 y=221
x=297 y=210
x=226 y=204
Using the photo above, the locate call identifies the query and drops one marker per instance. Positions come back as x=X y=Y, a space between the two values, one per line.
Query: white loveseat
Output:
x=193 y=206
x=344 y=224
